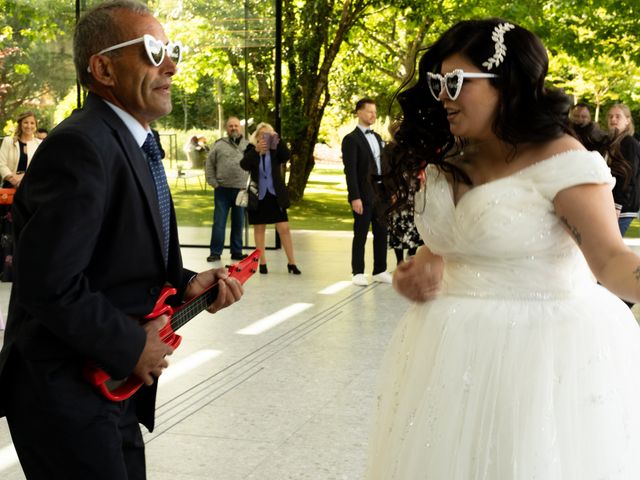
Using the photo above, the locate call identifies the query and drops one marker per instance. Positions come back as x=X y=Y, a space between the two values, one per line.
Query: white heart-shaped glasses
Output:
x=155 y=49
x=452 y=82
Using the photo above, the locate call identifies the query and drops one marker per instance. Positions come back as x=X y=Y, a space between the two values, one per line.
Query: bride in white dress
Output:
x=514 y=363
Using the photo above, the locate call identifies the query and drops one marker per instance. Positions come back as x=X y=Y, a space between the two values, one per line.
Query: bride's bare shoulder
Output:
x=565 y=143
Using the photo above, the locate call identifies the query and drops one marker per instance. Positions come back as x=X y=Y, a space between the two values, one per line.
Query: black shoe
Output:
x=213 y=258
x=238 y=256
x=263 y=268
x=291 y=268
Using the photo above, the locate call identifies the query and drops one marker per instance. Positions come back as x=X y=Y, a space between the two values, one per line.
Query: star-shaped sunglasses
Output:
x=155 y=49
x=452 y=82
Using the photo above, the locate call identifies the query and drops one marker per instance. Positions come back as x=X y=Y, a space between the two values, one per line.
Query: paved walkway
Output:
x=279 y=386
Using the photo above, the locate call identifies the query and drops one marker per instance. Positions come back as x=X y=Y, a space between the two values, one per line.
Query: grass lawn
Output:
x=634 y=229
x=324 y=206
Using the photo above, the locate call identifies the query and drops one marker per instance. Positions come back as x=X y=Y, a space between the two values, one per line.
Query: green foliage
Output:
x=334 y=51
x=217 y=35
x=35 y=64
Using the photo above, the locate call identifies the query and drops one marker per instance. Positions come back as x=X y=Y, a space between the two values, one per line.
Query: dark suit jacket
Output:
x=359 y=165
x=88 y=259
x=279 y=157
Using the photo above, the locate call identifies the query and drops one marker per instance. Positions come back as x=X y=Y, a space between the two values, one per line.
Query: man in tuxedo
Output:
x=361 y=157
x=96 y=240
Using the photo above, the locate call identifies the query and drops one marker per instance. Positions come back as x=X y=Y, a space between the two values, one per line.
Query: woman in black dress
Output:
x=264 y=158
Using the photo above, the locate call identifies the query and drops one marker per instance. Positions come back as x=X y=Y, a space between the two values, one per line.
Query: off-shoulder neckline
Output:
x=555 y=156
x=515 y=174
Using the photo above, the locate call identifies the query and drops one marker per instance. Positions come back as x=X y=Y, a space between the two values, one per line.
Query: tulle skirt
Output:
x=504 y=389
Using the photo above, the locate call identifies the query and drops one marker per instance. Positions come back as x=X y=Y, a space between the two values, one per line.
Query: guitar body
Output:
x=167 y=334
x=119 y=390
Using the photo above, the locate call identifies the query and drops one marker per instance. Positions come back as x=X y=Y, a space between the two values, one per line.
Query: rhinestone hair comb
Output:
x=501 y=49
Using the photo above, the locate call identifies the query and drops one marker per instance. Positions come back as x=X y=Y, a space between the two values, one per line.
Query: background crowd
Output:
x=616 y=140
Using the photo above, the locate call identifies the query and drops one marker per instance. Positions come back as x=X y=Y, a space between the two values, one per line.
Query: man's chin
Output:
x=162 y=111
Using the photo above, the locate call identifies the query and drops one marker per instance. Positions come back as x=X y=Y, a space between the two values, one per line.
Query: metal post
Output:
x=278 y=81
x=278 y=68
x=246 y=65
x=79 y=8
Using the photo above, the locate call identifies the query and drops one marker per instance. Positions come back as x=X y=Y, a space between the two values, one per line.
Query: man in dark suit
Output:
x=96 y=240
x=361 y=157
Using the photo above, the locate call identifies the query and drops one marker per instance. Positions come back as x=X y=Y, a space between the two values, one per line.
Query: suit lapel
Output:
x=365 y=144
x=136 y=159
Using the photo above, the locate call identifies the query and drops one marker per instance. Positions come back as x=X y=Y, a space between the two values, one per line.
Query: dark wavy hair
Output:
x=527 y=111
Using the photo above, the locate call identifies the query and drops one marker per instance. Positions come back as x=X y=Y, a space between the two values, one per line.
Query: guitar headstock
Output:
x=245 y=268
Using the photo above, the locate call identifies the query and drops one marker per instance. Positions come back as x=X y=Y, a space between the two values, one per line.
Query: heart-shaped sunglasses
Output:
x=452 y=82
x=155 y=49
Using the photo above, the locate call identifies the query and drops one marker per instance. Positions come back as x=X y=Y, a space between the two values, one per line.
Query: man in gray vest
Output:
x=224 y=174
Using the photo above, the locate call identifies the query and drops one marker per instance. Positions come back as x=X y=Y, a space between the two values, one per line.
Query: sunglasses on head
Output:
x=155 y=49
x=452 y=82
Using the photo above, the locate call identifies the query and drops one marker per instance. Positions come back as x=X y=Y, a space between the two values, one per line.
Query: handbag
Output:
x=243 y=198
x=6 y=196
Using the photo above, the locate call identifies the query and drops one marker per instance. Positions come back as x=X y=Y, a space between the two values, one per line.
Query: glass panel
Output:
x=36 y=66
x=227 y=69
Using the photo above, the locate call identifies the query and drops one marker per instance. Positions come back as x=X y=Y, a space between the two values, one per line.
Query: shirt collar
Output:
x=138 y=131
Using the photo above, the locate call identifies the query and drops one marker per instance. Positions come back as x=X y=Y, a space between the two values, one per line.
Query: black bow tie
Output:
x=368 y=130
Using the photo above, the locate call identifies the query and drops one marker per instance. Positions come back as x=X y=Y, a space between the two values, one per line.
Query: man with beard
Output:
x=225 y=175
x=587 y=132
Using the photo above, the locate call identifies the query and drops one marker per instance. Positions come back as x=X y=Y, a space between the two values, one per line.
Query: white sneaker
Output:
x=382 y=277
x=360 y=279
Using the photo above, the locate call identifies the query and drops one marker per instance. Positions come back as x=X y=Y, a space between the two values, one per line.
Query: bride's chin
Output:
x=456 y=130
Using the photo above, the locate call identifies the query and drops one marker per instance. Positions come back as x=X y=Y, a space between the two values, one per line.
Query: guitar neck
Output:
x=240 y=271
x=183 y=314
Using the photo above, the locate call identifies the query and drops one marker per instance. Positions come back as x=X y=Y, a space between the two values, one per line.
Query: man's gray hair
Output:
x=96 y=30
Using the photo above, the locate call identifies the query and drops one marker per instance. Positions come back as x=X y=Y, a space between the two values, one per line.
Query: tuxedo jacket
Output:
x=359 y=165
x=88 y=260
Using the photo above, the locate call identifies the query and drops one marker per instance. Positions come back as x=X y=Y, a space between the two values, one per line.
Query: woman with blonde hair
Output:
x=623 y=157
x=264 y=158
x=16 y=151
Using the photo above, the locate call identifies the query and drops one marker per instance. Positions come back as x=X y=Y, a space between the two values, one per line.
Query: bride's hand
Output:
x=420 y=278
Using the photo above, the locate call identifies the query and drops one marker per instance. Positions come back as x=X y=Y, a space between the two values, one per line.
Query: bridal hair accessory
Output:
x=501 y=49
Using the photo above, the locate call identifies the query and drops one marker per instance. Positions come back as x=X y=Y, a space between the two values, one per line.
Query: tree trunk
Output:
x=308 y=90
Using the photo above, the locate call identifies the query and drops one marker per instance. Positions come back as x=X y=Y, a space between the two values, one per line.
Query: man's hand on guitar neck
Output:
x=152 y=359
x=229 y=289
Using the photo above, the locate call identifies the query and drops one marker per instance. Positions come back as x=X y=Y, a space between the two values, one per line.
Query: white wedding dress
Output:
x=523 y=367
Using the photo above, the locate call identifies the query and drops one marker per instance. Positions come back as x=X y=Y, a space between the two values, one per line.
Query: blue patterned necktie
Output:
x=150 y=148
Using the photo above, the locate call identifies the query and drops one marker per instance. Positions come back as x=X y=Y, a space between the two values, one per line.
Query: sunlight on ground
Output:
x=274 y=319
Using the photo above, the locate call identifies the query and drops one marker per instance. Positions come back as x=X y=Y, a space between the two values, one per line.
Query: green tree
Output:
x=229 y=46
x=314 y=35
x=35 y=55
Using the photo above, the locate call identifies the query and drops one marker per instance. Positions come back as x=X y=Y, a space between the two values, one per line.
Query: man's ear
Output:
x=101 y=69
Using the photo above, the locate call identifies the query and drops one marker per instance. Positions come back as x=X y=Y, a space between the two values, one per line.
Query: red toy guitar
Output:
x=118 y=390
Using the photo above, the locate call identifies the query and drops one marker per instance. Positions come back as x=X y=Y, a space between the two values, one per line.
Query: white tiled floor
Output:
x=292 y=402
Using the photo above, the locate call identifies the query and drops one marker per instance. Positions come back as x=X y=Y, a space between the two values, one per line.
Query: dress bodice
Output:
x=503 y=237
